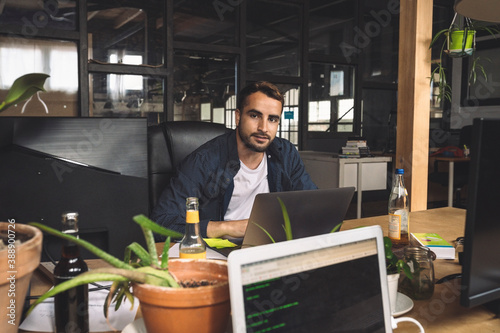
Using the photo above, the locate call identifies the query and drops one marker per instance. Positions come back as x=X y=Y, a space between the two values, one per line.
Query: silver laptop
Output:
x=311 y=212
x=328 y=283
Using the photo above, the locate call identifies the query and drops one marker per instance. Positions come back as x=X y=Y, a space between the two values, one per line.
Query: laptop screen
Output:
x=329 y=289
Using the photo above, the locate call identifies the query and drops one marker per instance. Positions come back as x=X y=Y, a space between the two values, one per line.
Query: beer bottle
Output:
x=192 y=245
x=71 y=306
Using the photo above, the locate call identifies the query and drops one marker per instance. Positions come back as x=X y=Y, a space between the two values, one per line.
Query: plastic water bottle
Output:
x=399 y=220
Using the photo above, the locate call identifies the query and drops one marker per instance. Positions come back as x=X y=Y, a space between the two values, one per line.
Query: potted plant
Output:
x=23 y=88
x=180 y=295
x=19 y=257
x=458 y=40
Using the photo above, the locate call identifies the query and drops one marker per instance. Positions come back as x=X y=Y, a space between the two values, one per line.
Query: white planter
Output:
x=392 y=282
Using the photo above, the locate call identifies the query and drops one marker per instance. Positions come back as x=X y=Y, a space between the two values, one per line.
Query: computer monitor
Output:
x=94 y=166
x=481 y=261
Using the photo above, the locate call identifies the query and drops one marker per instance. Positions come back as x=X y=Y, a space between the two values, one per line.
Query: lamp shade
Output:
x=481 y=10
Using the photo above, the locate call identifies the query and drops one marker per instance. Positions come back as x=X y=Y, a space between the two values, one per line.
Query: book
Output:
x=436 y=244
x=356 y=143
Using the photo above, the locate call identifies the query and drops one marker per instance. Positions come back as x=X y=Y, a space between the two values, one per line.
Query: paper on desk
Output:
x=41 y=319
x=173 y=252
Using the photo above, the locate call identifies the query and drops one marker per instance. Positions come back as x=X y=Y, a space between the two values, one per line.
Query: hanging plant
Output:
x=459 y=41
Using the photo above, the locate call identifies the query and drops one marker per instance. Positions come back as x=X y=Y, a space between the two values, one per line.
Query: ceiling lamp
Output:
x=481 y=10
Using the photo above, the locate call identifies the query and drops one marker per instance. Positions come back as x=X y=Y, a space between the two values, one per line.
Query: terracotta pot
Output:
x=14 y=280
x=201 y=310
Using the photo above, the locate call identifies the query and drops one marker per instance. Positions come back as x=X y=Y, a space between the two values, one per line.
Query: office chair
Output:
x=168 y=144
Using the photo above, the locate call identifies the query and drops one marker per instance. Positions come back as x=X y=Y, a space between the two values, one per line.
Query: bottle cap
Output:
x=400 y=171
x=69 y=216
x=70 y=222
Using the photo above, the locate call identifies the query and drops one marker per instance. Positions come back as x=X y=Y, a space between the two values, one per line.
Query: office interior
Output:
x=337 y=63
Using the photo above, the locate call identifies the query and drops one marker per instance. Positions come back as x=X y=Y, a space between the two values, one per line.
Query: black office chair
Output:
x=168 y=144
x=461 y=170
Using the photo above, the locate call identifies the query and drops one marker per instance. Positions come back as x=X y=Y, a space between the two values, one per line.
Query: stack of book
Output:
x=355 y=148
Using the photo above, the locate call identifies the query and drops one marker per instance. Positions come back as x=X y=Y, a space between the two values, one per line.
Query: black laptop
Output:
x=311 y=212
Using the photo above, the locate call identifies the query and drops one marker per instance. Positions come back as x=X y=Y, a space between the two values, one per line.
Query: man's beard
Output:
x=246 y=140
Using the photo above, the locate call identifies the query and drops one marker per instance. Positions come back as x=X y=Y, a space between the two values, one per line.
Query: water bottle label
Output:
x=395 y=226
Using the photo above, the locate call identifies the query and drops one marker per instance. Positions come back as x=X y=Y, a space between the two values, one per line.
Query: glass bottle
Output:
x=192 y=245
x=421 y=286
x=399 y=211
x=71 y=306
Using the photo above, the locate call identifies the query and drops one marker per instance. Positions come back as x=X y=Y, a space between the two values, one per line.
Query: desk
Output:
x=451 y=172
x=364 y=173
x=443 y=312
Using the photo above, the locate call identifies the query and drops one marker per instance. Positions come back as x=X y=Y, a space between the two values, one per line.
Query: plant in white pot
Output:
x=178 y=295
x=394 y=266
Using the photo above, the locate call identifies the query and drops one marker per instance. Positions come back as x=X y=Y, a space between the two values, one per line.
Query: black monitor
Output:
x=481 y=261
x=94 y=166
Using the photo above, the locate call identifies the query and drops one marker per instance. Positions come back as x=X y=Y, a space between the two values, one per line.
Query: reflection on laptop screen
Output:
x=330 y=289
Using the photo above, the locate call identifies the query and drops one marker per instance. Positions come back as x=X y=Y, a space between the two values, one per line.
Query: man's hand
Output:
x=235 y=229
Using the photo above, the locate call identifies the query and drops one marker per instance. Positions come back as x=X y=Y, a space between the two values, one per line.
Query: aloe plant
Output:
x=138 y=266
x=23 y=88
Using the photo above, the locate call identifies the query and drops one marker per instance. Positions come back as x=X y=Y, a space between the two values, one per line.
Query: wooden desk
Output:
x=451 y=172
x=443 y=312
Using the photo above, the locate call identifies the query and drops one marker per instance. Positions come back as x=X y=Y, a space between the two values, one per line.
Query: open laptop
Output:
x=311 y=212
x=328 y=283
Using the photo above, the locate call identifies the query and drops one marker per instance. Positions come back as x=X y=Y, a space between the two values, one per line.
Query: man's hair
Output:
x=267 y=88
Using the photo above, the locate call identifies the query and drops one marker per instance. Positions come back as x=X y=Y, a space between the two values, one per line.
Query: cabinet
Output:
x=329 y=171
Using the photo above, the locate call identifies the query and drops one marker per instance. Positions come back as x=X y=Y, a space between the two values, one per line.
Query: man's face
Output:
x=258 y=121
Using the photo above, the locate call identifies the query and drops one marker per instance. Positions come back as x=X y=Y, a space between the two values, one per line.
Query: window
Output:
x=331 y=98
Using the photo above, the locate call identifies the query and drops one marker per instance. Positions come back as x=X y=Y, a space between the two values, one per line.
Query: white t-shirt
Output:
x=247 y=184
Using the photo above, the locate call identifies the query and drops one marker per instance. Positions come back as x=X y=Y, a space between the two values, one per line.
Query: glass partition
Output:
x=207 y=22
x=19 y=56
x=331 y=98
x=203 y=84
x=273 y=39
x=116 y=32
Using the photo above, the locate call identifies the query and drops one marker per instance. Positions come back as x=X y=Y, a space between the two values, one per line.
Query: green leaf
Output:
x=150 y=242
x=140 y=252
x=337 y=227
x=286 y=218
x=164 y=255
x=85 y=278
x=159 y=277
x=143 y=221
x=267 y=233
x=23 y=88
